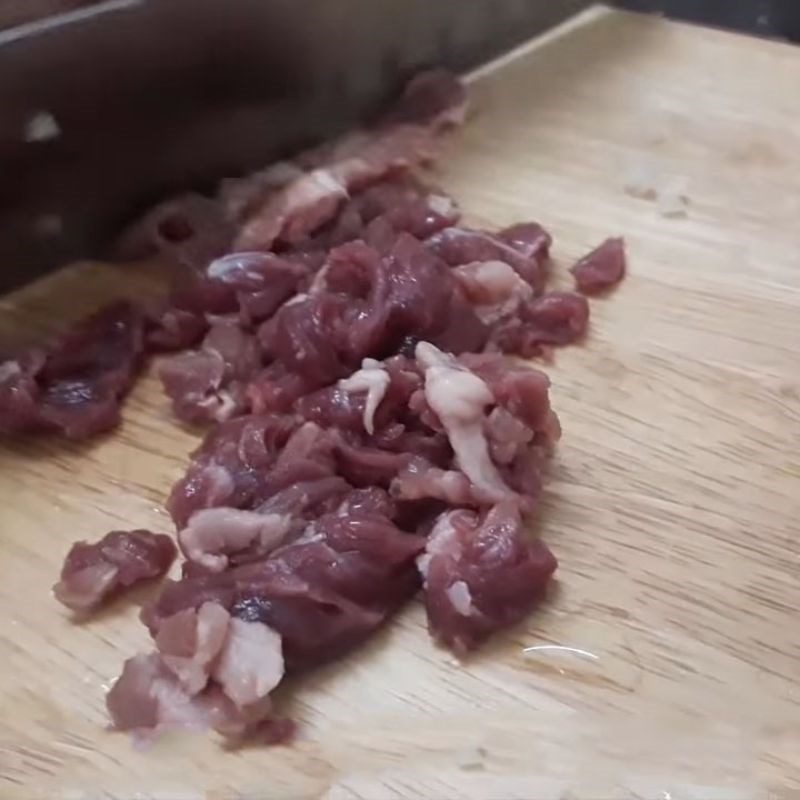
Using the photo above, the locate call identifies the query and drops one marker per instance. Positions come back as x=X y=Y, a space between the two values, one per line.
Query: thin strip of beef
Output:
x=306 y=338
x=482 y=573
x=435 y=98
x=76 y=385
x=93 y=573
x=411 y=293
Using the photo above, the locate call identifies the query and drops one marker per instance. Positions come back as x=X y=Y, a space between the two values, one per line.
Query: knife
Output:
x=106 y=107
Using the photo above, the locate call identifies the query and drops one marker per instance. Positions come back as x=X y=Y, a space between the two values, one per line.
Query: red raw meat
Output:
x=76 y=385
x=493 y=288
x=555 y=318
x=209 y=671
x=94 y=572
x=601 y=269
x=209 y=384
x=524 y=247
x=227 y=469
x=169 y=329
x=370 y=305
x=252 y=284
x=482 y=572
x=394 y=205
x=323 y=593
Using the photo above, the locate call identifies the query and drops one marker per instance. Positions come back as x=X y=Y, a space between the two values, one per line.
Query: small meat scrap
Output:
x=524 y=247
x=94 y=572
x=554 y=318
x=482 y=572
x=76 y=385
x=169 y=329
x=209 y=384
x=601 y=269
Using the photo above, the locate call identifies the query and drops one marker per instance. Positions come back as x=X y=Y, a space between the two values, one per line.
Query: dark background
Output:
x=774 y=18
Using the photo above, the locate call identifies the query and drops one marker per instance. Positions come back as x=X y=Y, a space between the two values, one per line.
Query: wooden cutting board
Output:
x=666 y=663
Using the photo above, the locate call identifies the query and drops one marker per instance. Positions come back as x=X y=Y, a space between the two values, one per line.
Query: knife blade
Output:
x=109 y=106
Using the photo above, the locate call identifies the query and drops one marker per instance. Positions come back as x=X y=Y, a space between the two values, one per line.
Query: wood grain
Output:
x=673 y=507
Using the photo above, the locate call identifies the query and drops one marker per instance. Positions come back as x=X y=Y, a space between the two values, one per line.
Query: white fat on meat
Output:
x=190 y=640
x=147 y=697
x=210 y=670
x=214 y=533
x=220 y=483
x=494 y=287
x=298 y=298
x=251 y=664
x=507 y=436
x=319 y=283
x=326 y=182
x=441 y=204
x=9 y=369
x=459 y=398
x=222 y=403
x=442 y=540
x=373 y=379
x=420 y=480
x=221 y=267
x=460 y=598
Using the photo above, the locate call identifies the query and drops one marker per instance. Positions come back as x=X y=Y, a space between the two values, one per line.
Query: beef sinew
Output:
x=348 y=340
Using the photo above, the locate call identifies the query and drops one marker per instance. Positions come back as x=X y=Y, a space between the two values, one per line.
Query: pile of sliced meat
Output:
x=351 y=345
